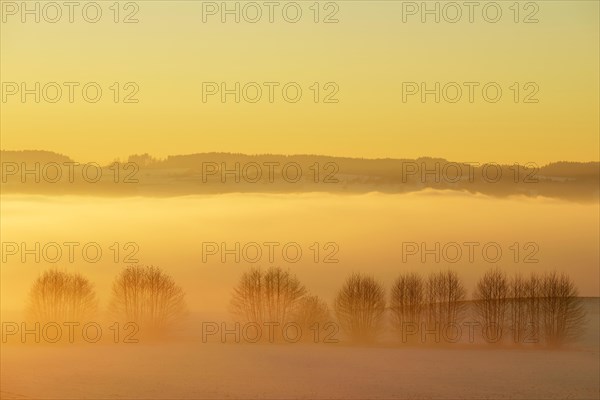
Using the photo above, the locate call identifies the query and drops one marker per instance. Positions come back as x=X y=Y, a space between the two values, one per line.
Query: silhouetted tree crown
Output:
x=58 y=296
x=360 y=306
x=149 y=297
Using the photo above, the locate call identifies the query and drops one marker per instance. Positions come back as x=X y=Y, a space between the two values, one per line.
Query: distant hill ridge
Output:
x=210 y=173
x=558 y=168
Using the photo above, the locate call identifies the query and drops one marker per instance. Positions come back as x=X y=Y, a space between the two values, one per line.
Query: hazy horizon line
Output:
x=391 y=158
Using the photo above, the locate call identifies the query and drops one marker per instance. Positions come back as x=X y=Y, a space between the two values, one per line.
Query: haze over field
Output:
x=369 y=230
x=206 y=220
x=300 y=200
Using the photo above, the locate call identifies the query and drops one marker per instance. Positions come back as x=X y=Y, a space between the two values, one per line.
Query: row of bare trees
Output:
x=435 y=302
x=544 y=306
x=278 y=296
x=141 y=294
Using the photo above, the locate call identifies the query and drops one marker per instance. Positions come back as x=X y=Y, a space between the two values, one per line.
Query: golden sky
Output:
x=368 y=54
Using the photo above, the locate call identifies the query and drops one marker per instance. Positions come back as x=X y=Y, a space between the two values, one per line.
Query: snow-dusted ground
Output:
x=218 y=371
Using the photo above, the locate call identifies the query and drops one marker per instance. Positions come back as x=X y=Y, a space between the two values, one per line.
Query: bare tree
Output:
x=407 y=301
x=525 y=311
x=360 y=306
x=149 y=297
x=533 y=307
x=58 y=296
x=491 y=302
x=545 y=308
x=521 y=327
x=267 y=296
x=562 y=309
x=312 y=314
x=445 y=295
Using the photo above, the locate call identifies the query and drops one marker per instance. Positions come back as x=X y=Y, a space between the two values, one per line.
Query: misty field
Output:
x=362 y=234
x=190 y=369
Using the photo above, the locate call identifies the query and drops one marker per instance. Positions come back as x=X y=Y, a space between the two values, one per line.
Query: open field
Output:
x=190 y=369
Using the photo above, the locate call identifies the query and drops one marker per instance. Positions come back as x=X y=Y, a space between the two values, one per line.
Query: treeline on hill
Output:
x=229 y=172
x=539 y=308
